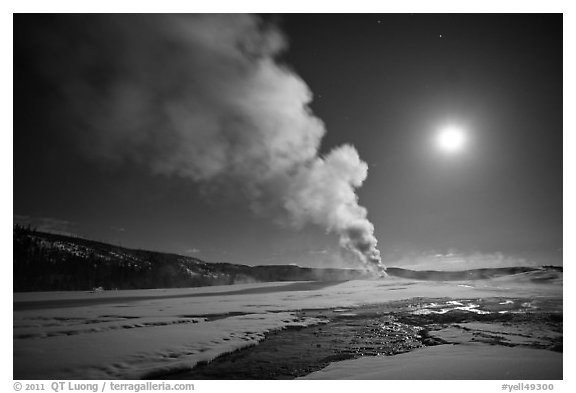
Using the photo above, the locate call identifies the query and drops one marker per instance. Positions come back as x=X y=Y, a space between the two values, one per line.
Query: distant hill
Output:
x=538 y=274
x=52 y=262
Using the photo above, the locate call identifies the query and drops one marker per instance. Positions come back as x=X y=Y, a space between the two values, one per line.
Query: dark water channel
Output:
x=382 y=330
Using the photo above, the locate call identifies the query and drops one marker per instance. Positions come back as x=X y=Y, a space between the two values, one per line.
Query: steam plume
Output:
x=205 y=98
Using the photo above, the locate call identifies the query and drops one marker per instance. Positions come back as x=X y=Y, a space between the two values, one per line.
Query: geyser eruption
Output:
x=204 y=97
x=323 y=192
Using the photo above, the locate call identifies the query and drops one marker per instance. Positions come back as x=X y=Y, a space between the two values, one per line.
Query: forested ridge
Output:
x=53 y=262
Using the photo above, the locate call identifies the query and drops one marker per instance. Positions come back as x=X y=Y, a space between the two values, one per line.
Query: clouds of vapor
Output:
x=323 y=193
x=203 y=97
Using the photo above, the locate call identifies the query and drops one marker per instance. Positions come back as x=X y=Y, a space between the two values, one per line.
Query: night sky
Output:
x=385 y=84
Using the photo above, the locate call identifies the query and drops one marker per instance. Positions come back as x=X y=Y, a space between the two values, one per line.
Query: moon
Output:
x=451 y=139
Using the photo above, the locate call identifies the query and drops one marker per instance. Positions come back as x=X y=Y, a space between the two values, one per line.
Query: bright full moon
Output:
x=451 y=139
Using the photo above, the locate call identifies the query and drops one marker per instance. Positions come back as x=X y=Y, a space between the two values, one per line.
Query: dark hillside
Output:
x=51 y=262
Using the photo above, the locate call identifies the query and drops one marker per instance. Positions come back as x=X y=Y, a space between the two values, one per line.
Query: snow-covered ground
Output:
x=468 y=361
x=135 y=334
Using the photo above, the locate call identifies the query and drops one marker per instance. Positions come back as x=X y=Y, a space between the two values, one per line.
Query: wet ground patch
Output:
x=386 y=330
